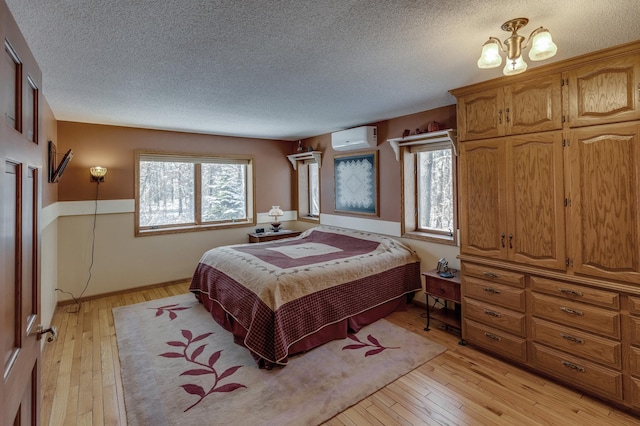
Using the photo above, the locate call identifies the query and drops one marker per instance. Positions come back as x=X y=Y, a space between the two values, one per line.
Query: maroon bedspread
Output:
x=277 y=316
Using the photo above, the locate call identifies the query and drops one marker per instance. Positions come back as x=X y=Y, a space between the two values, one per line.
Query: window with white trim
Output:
x=181 y=192
x=429 y=192
x=308 y=190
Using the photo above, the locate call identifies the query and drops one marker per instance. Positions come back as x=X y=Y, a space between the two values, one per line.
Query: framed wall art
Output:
x=356 y=180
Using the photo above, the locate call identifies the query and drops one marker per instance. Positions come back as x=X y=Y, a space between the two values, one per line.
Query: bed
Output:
x=287 y=296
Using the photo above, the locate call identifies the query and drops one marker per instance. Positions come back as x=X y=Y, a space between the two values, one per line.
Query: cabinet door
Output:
x=535 y=200
x=534 y=105
x=605 y=195
x=605 y=92
x=482 y=198
x=481 y=115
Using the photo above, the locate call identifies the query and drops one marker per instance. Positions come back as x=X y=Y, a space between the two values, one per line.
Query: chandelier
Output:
x=542 y=47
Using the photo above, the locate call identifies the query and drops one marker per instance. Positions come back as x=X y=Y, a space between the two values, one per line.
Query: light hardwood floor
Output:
x=81 y=382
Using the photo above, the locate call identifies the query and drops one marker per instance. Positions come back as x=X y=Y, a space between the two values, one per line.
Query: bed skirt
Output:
x=338 y=330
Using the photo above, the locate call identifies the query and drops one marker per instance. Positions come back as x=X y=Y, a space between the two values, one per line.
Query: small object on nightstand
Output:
x=443 y=269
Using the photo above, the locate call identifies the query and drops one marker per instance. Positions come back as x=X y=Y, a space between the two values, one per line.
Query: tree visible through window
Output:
x=314 y=190
x=435 y=190
x=189 y=191
x=167 y=194
x=224 y=196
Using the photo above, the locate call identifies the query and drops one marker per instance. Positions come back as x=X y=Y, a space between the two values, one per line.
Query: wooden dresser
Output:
x=549 y=198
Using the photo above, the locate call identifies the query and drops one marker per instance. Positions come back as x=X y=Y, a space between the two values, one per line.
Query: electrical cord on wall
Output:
x=76 y=305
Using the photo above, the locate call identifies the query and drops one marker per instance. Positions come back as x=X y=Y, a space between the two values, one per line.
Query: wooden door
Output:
x=606 y=91
x=481 y=115
x=20 y=177
x=535 y=200
x=605 y=201
x=482 y=198
x=19 y=291
x=534 y=105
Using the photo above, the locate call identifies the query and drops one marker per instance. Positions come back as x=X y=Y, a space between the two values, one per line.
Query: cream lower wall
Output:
x=122 y=261
x=48 y=271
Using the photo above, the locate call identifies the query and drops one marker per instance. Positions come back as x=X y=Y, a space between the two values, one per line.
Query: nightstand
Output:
x=272 y=236
x=447 y=289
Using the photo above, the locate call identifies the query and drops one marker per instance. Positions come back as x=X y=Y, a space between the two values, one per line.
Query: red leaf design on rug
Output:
x=204 y=369
x=373 y=343
x=170 y=309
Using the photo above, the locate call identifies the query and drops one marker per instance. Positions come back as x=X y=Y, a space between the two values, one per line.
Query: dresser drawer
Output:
x=584 y=345
x=449 y=290
x=498 y=317
x=607 y=299
x=498 y=294
x=493 y=274
x=496 y=341
x=634 y=326
x=579 y=315
x=634 y=361
x=634 y=397
x=634 y=305
x=577 y=372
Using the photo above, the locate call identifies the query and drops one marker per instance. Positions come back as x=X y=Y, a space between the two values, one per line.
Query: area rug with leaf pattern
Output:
x=179 y=367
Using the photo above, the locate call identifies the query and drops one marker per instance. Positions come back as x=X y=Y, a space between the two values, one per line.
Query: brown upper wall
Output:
x=389 y=171
x=113 y=147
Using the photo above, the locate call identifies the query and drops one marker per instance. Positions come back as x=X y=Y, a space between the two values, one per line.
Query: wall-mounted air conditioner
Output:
x=365 y=137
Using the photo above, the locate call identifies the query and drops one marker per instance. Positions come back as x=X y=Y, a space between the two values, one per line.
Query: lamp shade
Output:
x=98 y=172
x=275 y=212
x=515 y=66
x=542 y=46
x=490 y=56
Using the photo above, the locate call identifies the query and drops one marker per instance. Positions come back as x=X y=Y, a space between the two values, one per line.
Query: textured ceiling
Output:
x=283 y=69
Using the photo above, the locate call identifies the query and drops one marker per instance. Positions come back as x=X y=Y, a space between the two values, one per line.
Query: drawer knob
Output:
x=492 y=313
x=442 y=289
x=572 y=339
x=571 y=311
x=490 y=274
x=570 y=292
x=493 y=337
x=573 y=366
x=491 y=290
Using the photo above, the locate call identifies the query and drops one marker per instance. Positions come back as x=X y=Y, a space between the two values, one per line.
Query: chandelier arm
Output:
x=502 y=47
x=533 y=33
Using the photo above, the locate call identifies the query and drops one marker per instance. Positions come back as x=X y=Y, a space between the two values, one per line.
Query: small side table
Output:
x=272 y=236
x=447 y=289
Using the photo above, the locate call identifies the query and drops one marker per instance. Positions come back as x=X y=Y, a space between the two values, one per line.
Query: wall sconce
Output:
x=275 y=212
x=97 y=173
x=542 y=47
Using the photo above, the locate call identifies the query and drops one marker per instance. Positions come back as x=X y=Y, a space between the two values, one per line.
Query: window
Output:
x=308 y=190
x=176 y=192
x=429 y=192
x=435 y=190
x=314 y=190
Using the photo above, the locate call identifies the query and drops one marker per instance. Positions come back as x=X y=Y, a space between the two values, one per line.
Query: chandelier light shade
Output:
x=275 y=212
x=98 y=173
x=542 y=47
